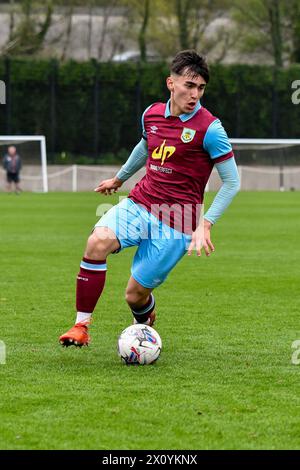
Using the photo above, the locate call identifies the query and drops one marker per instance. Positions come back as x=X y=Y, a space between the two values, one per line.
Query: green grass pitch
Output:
x=225 y=379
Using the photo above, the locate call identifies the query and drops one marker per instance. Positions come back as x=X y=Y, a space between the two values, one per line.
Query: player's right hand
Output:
x=108 y=186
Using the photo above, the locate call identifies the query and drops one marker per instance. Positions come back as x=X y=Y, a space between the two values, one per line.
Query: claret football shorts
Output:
x=160 y=247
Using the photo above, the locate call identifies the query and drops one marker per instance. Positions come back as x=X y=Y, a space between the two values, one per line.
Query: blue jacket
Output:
x=8 y=164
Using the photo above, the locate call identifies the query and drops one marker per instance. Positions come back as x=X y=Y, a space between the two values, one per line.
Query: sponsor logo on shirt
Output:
x=187 y=135
x=153 y=129
x=163 y=152
x=161 y=169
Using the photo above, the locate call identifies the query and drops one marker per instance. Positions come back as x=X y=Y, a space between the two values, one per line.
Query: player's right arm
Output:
x=135 y=162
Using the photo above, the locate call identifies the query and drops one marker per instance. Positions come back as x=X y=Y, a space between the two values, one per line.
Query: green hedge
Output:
x=91 y=111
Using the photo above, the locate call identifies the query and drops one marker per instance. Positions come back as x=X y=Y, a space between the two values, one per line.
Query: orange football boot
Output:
x=77 y=336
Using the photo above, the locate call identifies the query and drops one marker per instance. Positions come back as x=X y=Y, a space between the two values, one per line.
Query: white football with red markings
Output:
x=139 y=344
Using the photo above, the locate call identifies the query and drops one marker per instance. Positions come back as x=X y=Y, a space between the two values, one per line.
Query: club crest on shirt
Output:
x=187 y=135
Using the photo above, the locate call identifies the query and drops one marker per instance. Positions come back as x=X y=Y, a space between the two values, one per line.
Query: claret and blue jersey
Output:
x=182 y=151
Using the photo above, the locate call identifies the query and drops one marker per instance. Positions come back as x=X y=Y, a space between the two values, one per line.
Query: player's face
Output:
x=186 y=90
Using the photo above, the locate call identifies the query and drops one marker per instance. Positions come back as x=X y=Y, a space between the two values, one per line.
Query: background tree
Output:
x=106 y=30
x=198 y=24
x=143 y=30
x=293 y=24
x=28 y=35
x=138 y=13
x=12 y=19
x=269 y=26
x=70 y=4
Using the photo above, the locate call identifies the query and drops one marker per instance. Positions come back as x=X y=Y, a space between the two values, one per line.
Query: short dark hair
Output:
x=191 y=62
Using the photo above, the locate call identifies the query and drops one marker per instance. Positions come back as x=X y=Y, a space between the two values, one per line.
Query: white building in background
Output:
x=81 y=36
x=103 y=35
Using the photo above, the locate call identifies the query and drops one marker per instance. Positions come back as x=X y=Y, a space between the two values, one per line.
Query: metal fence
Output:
x=76 y=178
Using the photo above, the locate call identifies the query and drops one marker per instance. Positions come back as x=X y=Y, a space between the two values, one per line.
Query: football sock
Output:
x=142 y=314
x=90 y=284
x=83 y=317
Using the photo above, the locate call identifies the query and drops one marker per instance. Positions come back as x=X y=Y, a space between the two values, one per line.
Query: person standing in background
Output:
x=12 y=164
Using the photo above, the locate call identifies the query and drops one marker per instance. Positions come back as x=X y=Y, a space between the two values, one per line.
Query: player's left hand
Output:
x=201 y=239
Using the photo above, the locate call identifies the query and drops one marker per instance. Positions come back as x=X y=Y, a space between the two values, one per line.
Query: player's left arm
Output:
x=218 y=146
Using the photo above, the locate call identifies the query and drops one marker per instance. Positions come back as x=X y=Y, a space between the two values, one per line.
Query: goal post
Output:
x=264 y=165
x=272 y=142
x=39 y=158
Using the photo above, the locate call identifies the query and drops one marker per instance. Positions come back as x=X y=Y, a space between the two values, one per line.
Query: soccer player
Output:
x=181 y=143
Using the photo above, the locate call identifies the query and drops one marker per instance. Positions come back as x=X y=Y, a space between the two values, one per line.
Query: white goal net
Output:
x=265 y=164
x=32 y=151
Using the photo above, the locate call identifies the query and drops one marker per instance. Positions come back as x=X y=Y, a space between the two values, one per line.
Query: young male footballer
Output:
x=181 y=143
